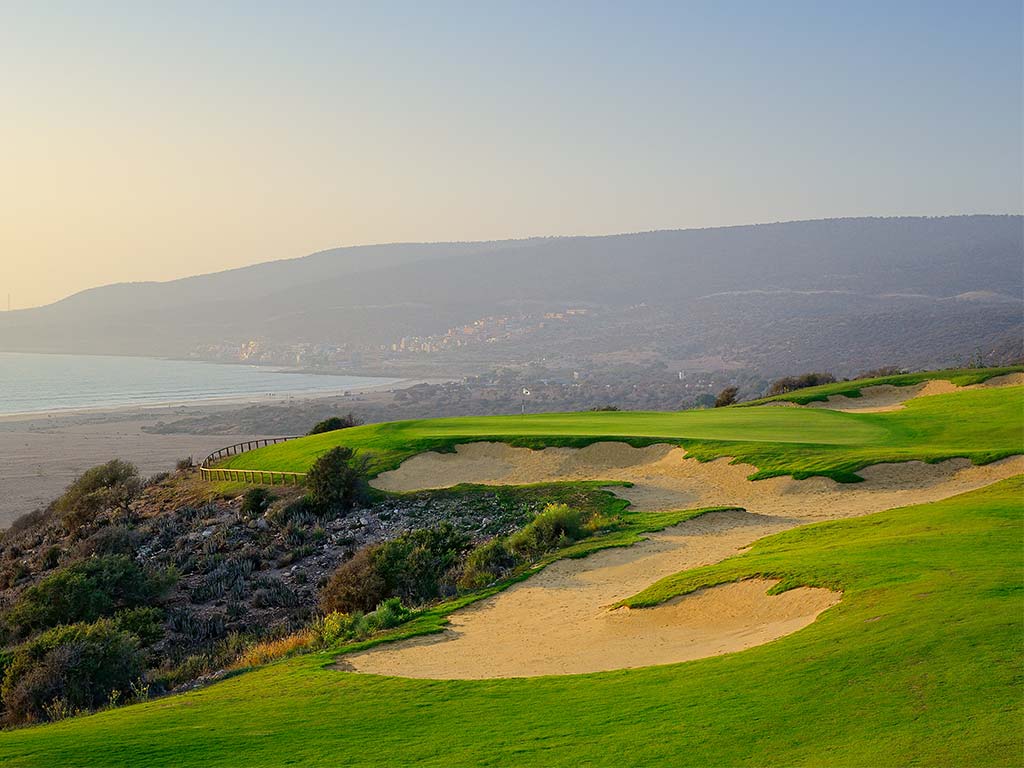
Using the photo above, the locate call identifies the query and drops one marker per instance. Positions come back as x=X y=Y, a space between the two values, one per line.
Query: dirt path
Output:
x=558 y=621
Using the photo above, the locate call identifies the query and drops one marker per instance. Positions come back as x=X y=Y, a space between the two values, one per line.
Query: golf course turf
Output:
x=981 y=424
x=921 y=660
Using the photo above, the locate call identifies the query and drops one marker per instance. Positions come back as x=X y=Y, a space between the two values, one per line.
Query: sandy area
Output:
x=558 y=621
x=886 y=397
x=664 y=479
x=40 y=455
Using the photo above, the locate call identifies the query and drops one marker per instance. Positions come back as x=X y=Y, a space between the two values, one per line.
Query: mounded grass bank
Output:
x=961 y=377
x=982 y=425
x=919 y=664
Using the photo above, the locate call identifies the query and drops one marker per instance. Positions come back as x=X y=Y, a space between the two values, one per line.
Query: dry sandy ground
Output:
x=886 y=397
x=40 y=455
x=558 y=621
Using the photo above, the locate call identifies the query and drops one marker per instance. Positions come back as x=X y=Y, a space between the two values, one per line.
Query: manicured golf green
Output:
x=920 y=664
x=981 y=424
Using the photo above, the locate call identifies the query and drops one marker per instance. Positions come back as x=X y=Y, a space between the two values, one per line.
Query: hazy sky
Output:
x=146 y=140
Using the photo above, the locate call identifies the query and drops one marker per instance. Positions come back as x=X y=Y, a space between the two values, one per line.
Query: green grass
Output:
x=961 y=377
x=920 y=664
x=982 y=425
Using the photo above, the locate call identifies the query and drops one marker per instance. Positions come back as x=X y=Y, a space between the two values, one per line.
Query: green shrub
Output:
x=110 y=540
x=334 y=423
x=147 y=624
x=337 y=627
x=330 y=629
x=85 y=591
x=389 y=614
x=51 y=557
x=416 y=567
x=356 y=585
x=337 y=480
x=111 y=486
x=69 y=668
x=256 y=501
x=704 y=400
x=486 y=564
x=557 y=526
x=414 y=564
x=300 y=512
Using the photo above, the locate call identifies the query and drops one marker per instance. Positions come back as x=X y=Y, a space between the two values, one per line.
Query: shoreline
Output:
x=42 y=453
x=115 y=409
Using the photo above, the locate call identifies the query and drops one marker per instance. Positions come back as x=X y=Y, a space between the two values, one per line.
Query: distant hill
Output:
x=713 y=291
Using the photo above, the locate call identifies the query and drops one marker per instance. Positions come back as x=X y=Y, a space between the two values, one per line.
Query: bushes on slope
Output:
x=85 y=591
x=70 y=668
x=114 y=485
x=425 y=564
x=411 y=567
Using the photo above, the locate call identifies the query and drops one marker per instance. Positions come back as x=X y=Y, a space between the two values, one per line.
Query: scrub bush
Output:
x=70 y=668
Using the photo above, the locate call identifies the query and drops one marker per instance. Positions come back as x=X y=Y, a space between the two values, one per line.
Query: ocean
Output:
x=34 y=383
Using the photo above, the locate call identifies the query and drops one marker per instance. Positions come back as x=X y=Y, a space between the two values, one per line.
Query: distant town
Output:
x=492 y=329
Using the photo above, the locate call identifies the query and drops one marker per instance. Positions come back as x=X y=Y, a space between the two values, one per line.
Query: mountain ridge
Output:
x=370 y=296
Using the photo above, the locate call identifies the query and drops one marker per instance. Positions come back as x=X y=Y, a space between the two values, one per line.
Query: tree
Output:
x=337 y=479
x=726 y=397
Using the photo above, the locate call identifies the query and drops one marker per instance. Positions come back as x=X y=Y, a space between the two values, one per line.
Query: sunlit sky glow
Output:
x=147 y=141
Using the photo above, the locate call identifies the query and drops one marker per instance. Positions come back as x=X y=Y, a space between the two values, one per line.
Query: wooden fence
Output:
x=260 y=476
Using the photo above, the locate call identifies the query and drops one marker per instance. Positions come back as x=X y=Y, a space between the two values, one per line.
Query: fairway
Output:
x=911 y=689
x=777 y=441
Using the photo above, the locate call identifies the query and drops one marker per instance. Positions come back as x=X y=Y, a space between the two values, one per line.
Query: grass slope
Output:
x=961 y=377
x=796 y=441
x=918 y=665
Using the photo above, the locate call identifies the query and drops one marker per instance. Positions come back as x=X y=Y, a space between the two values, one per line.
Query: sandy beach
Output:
x=40 y=455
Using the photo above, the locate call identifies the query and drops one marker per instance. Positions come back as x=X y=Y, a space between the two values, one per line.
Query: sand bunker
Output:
x=886 y=397
x=559 y=622
x=664 y=479
x=722 y=619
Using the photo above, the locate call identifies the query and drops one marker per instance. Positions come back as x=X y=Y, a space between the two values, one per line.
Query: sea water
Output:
x=37 y=383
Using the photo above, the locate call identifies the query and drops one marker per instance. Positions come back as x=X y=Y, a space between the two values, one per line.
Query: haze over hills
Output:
x=842 y=293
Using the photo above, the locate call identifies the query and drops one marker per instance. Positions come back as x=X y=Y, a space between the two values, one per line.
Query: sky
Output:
x=149 y=141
